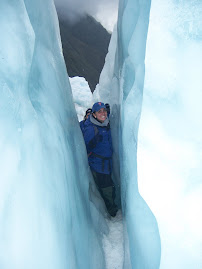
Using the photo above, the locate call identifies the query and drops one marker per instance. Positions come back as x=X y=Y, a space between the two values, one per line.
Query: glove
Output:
x=94 y=141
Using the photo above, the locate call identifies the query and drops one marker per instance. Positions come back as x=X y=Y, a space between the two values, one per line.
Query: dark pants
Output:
x=106 y=188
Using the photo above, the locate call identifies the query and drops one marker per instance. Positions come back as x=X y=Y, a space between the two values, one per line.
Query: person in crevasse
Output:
x=82 y=123
x=97 y=137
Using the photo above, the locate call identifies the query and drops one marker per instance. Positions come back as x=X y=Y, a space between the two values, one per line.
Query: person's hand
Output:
x=92 y=144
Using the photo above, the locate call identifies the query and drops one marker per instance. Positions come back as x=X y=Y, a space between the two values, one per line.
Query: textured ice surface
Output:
x=170 y=137
x=46 y=219
x=169 y=140
x=82 y=96
x=123 y=84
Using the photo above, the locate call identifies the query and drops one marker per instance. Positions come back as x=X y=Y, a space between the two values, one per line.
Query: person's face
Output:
x=101 y=115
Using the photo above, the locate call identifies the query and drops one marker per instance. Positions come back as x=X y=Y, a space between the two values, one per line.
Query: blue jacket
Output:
x=98 y=142
x=82 y=125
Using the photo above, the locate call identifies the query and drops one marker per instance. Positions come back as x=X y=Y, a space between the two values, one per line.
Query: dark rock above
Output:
x=85 y=45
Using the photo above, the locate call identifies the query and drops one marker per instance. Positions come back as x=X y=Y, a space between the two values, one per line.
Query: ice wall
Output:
x=45 y=213
x=122 y=83
x=170 y=136
x=169 y=140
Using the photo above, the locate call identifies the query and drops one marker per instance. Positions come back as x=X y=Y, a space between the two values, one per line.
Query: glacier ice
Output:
x=168 y=162
x=46 y=219
x=82 y=96
x=124 y=85
x=170 y=130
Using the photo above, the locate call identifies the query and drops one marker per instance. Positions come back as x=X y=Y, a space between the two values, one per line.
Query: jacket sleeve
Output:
x=90 y=138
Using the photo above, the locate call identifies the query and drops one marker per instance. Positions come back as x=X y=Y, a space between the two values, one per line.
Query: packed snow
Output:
x=82 y=96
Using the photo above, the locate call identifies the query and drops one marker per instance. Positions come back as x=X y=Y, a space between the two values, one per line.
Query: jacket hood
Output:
x=96 y=122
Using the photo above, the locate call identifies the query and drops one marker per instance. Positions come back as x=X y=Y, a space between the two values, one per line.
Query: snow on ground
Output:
x=113 y=242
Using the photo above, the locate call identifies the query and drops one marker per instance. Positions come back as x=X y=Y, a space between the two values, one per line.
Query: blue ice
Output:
x=46 y=217
x=124 y=84
x=160 y=165
x=49 y=217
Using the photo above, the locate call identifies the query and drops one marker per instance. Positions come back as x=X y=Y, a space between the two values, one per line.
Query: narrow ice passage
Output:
x=50 y=213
